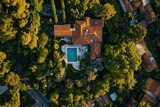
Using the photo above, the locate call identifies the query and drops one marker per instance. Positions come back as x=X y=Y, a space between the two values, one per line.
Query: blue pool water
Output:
x=71 y=54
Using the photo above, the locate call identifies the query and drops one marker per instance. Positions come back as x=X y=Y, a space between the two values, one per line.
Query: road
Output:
x=40 y=99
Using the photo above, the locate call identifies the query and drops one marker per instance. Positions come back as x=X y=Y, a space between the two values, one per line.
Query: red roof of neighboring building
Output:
x=150 y=16
x=149 y=62
x=62 y=30
x=106 y=99
x=152 y=86
x=132 y=103
x=89 y=104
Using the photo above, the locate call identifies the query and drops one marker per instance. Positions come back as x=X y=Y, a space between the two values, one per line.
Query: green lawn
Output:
x=73 y=75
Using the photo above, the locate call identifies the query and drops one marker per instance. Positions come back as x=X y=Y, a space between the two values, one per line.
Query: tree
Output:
x=26 y=38
x=69 y=83
x=101 y=88
x=43 y=39
x=92 y=76
x=56 y=46
x=54 y=97
x=42 y=55
x=92 y=3
x=12 y=79
x=79 y=83
x=144 y=104
x=37 y=5
x=77 y=8
x=60 y=73
x=108 y=11
x=35 y=20
x=54 y=11
x=136 y=33
x=2 y=57
x=22 y=22
x=157 y=3
x=122 y=60
x=63 y=11
x=22 y=10
x=4 y=64
x=29 y=39
x=33 y=42
x=8 y=32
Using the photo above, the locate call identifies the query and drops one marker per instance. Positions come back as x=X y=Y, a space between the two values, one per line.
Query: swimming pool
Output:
x=71 y=54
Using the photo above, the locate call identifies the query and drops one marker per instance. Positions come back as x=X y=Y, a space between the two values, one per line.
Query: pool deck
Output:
x=80 y=52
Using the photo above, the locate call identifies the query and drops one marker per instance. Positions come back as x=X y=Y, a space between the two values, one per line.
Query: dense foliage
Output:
x=29 y=51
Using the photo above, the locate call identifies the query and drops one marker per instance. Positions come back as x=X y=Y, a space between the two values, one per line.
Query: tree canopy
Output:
x=108 y=11
x=8 y=32
x=122 y=60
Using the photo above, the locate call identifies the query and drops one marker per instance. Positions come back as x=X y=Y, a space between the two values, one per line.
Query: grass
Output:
x=73 y=75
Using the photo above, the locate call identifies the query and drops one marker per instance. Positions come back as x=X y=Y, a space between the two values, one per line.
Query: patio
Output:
x=80 y=54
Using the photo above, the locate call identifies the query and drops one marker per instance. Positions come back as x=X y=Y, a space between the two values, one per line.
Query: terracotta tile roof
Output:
x=150 y=15
x=152 y=86
x=88 y=31
x=94 y=27
x=62 y=30
x=149 y=100
x=142 y=23
x=149 y=62
x=89 y=104
x=131 y=6
x=95 y=50
x=106 y=99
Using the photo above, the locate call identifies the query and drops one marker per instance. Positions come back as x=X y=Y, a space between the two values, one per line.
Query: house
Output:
x=148 y=60
x=102 y=99
x=142 y=10
x=105 y=99
x=152 y=93
x=132 y=103
x=62 y=30
x=84 y=32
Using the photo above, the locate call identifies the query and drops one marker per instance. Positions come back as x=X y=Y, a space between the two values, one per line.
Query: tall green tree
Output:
x=77 y=8
x=108 y=11
x=43 y=39
x=35 y=20
x=144 y=104
x=2 y=57
x=136 y=33
x=37 y=5
x=22 y=8
x=8 y=32
x=4 y=64
x=12 y=79
x=63 y=11
x=54 y=11
x=121 y=60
